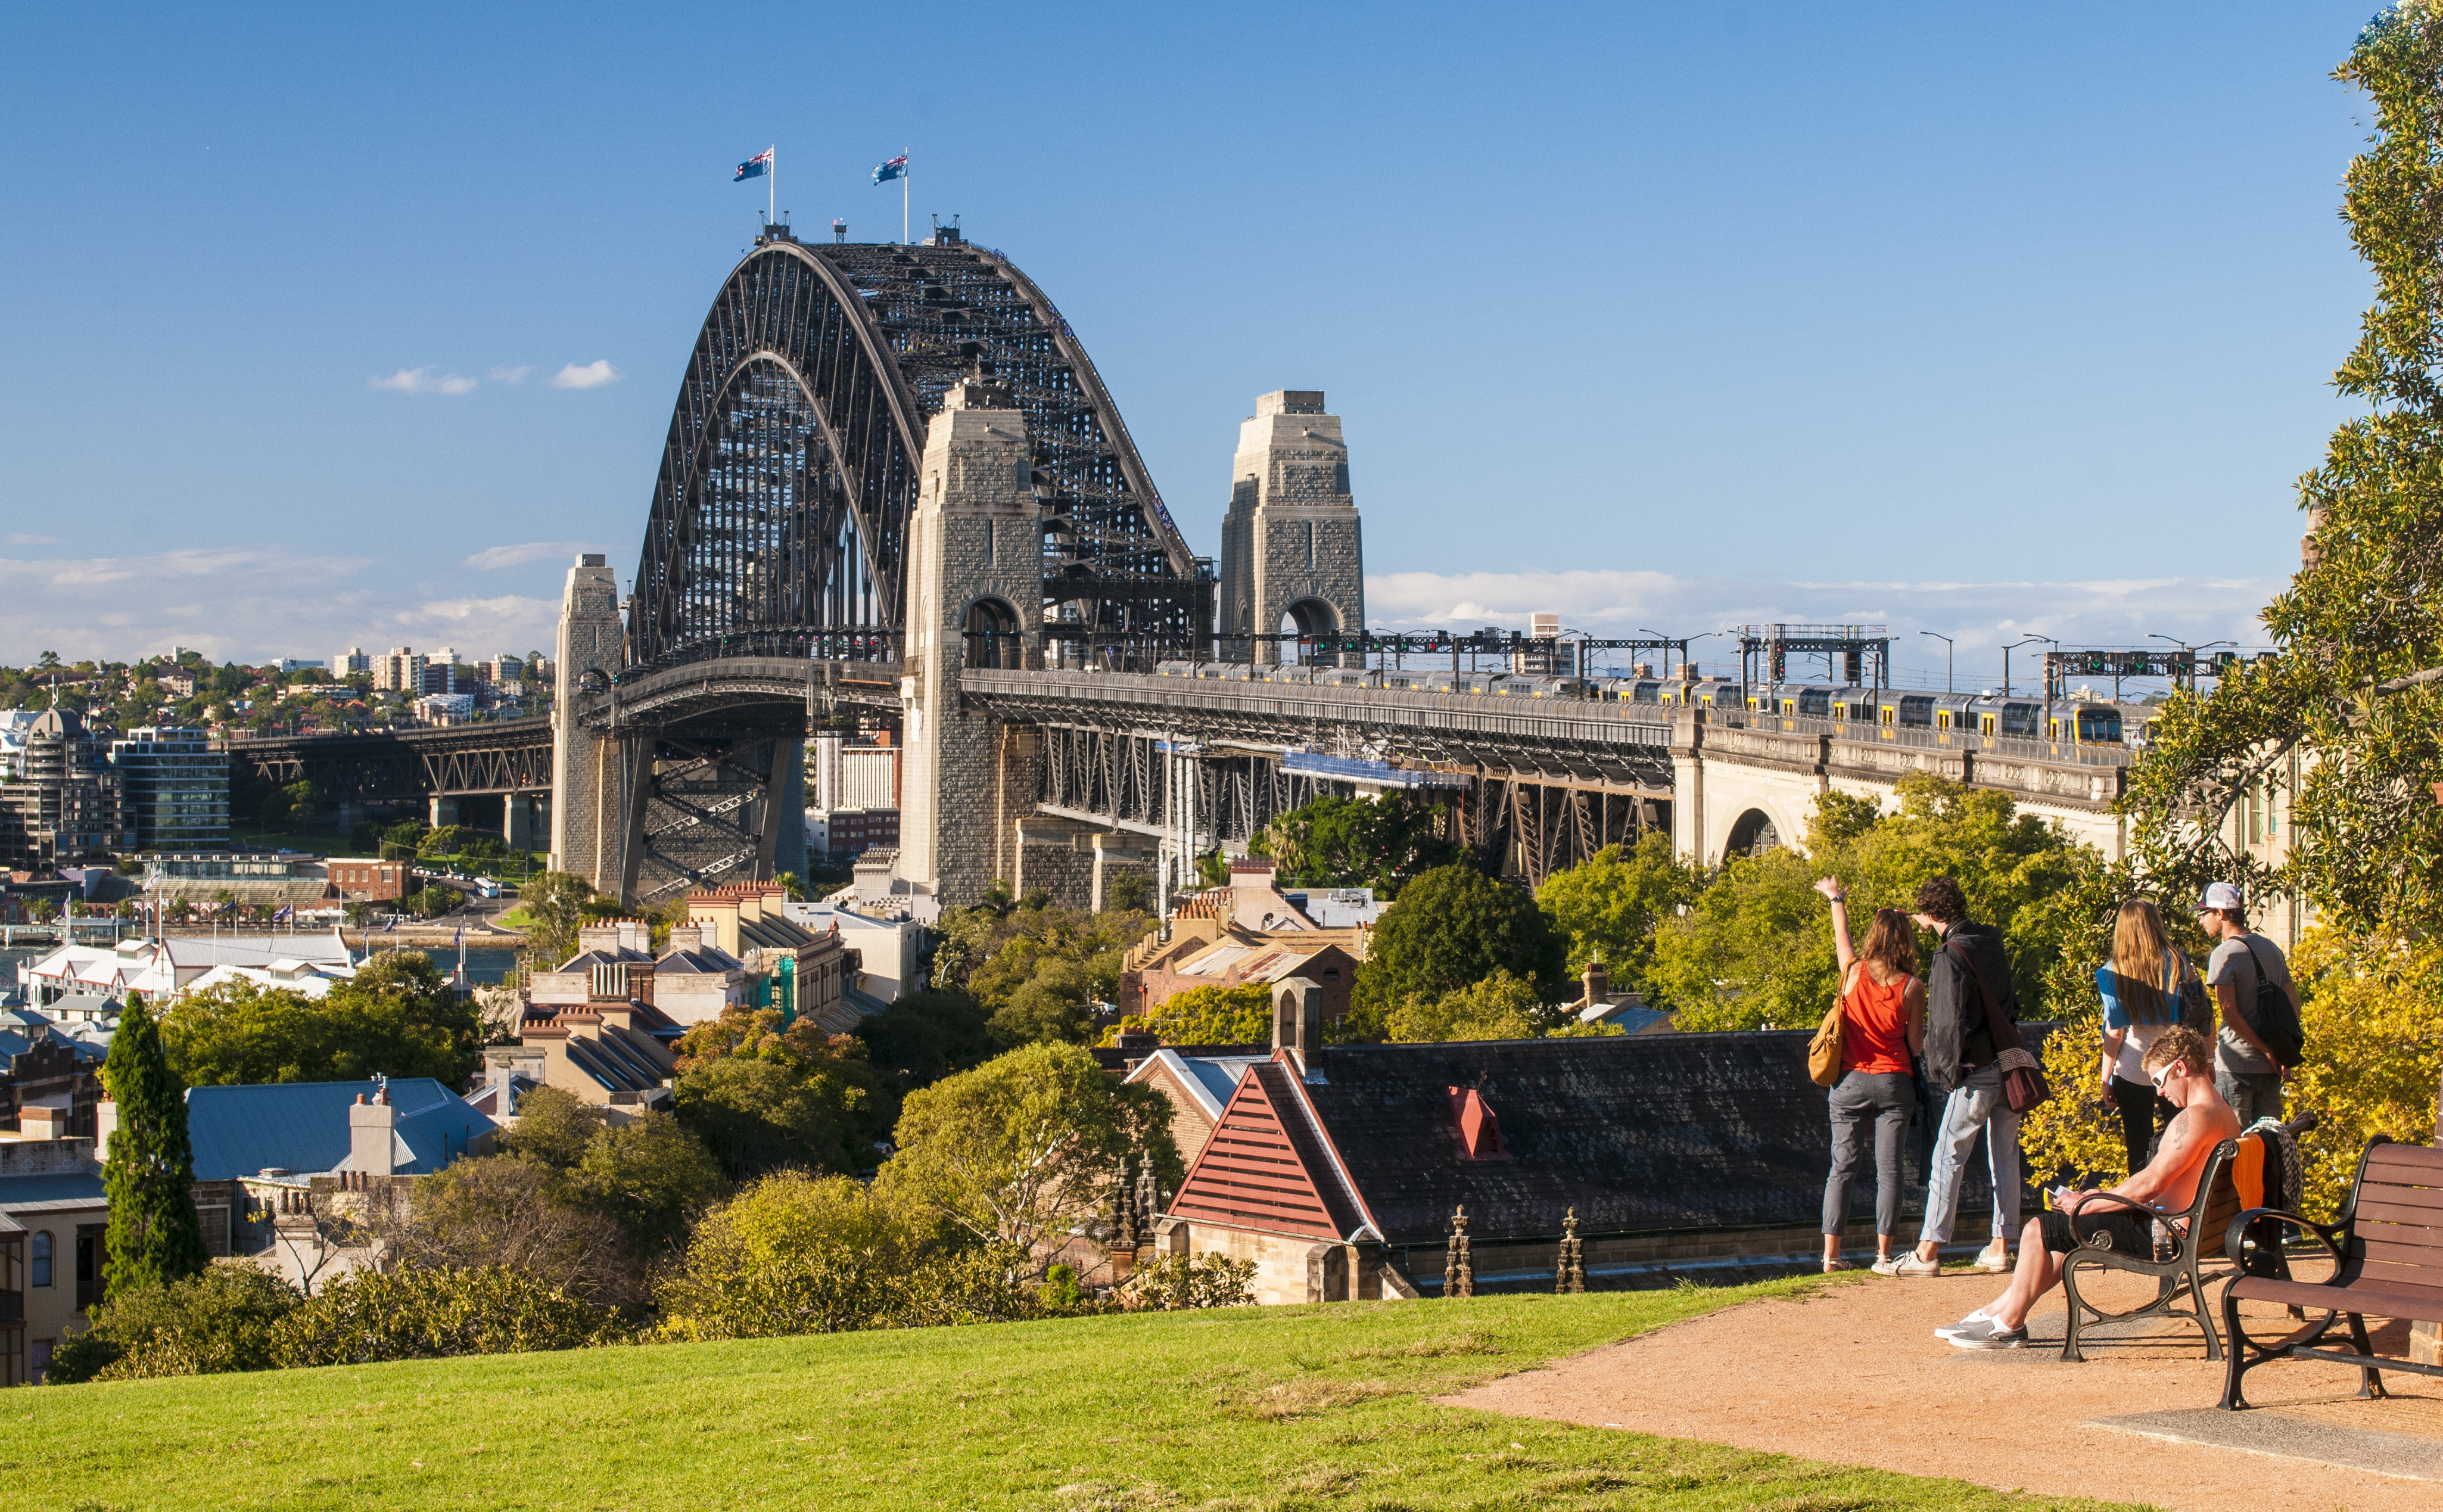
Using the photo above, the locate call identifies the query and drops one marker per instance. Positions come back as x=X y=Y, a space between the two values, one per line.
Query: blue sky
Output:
x=1976 y=317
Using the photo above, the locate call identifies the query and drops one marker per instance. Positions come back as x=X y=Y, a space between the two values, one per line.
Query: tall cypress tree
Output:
x=150 y=1171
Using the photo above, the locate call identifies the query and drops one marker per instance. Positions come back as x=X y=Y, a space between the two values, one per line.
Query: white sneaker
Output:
x=1973 y=1322
x=1911 y=1266
x=1886 y=1265
x=1995 y=1258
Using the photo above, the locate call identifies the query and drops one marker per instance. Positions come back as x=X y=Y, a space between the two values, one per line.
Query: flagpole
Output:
x=772 y=185
x=907 y=170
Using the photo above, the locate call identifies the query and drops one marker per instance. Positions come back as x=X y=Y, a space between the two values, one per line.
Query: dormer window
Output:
x=1479 y=1132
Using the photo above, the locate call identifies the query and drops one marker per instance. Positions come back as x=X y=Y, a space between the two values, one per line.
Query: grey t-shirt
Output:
x=2234 y=963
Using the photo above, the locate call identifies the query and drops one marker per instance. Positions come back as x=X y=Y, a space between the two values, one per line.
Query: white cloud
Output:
x=22 y=539
x=591 y=375
x=508 y=374
x=492 y=558
x=237 y=603
x=508 y=622
x=1980 y=617
x=423 y=381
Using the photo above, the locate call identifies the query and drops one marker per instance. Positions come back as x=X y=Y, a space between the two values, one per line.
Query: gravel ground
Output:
x=1854 y=1377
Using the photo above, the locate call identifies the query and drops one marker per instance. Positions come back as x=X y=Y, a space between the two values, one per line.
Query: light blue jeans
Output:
x=1976 y=1103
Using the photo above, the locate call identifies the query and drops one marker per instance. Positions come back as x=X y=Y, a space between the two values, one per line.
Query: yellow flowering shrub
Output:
x=2373 y=1009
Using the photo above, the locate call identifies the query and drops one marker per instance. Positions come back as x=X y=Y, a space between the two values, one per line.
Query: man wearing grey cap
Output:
x=2245 y=1071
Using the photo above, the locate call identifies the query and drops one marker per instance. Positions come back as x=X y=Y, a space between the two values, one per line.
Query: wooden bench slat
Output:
x=2398 y=1212
x=2424 y=1198
x=2403 y=1257
x=2379 y=1301
x=2406 y=1163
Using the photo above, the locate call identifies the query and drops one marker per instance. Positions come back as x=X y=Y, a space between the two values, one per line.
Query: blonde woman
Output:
x=1883 y=1024
x=2141 y=987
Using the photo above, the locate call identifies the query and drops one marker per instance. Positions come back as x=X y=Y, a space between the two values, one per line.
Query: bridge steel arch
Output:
x=781 y=531
x=789 y=474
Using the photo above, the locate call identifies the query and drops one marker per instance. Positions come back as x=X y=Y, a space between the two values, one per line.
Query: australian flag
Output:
x=896 y=168
x=754 y=167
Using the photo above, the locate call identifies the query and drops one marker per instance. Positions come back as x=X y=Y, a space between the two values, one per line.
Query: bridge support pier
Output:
x=975 y=596
x=442 y=809
x=518 y=819
x=586 y=821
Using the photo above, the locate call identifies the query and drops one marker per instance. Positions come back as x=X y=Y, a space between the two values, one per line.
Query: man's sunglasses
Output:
x=2165 y=1075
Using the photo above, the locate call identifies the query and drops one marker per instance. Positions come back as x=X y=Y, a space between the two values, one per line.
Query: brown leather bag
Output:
x=1824 y=1051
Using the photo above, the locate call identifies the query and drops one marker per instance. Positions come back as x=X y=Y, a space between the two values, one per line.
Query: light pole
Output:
x=1946 y=656
x=2006 y=658
x=1666 y=649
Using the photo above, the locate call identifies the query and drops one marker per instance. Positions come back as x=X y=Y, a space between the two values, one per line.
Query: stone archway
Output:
x=1752 y=834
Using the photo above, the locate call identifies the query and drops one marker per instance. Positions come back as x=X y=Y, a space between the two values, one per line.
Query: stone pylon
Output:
x=975 y=598
x=1289 y=543
x=586 y=821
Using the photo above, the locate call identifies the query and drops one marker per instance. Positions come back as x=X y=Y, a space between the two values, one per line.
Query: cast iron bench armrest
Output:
x=2235 y=1237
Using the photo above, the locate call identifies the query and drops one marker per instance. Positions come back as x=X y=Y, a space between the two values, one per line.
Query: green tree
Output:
x=925 y=1036
x=1024 y=1148
x=793 y=1253
x=554 y=903
x=2347 y=715
x=554 y=1127
x=514 y=1212
x=1454 y=926
x=1608 y=905
x=1381 y=843
x=762 y=1098
x=1208 y=1015
x=220 y=1319
x=1037 y=970
x=1754 y=948
x=652 y=1176
x=398 y=1017
x=148 y=1174
x=1126 y=892
x=1498 y=1007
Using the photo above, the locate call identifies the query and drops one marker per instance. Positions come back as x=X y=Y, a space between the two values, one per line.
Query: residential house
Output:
x=276 y=1165
x=162 y=968
x=52 y=1215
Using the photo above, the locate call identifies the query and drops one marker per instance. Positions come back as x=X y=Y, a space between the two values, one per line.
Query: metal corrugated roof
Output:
x=303 y=1125
x=50 y=1188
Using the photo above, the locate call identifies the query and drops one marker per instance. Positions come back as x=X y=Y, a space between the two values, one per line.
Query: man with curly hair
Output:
x=1964 y=1067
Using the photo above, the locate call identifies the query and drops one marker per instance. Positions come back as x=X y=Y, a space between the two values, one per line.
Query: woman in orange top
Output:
x=1883 y=1024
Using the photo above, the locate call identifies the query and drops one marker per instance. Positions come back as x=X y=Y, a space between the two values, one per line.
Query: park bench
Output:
x=2178 y=1275
x=2387 y=1261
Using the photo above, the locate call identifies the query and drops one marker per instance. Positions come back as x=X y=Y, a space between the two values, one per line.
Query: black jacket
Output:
x=1956 y=1040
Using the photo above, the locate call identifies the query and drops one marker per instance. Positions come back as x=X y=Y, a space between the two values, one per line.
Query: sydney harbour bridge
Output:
x=896 y=494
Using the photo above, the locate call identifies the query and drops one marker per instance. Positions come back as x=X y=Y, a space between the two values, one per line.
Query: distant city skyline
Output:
x=1989 y=323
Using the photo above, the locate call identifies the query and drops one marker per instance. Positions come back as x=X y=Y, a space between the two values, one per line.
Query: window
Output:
x=41 y=1257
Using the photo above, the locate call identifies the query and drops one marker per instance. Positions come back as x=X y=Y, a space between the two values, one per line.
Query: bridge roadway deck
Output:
x=1623 y=747
x=498 y=756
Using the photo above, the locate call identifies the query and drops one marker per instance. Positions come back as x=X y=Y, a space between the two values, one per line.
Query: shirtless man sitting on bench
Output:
x=2180 y=1064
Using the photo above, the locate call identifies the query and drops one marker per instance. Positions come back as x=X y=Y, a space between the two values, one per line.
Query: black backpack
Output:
x=2272 y=1017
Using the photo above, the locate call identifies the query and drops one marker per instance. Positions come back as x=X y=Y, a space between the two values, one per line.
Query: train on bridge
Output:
x=2081 y=722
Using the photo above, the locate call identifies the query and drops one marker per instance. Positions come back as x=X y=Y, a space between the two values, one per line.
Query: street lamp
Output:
x=2006 y=658
x=1666 y=649
x=1946 y=656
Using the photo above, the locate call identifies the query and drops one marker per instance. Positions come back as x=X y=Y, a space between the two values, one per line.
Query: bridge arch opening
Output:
x=1752 y=834
x=992 y=637
x=1308 y=620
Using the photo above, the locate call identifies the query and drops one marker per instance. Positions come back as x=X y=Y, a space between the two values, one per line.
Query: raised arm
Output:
x=1830 y=888
x=1914 y=1000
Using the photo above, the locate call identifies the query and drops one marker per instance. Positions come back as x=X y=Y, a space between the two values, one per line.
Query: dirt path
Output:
x=1856 y=1377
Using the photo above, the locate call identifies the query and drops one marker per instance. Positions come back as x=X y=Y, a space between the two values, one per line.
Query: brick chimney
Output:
x=1598 y=984
x=1297 y=1020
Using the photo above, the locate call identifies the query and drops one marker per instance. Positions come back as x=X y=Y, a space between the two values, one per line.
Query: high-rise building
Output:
x=845 y=774
x=351 y=661
x=400 y=670
x=63 y=804
x=174 y=788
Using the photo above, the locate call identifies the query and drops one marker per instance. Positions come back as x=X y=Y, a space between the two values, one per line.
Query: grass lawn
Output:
x=1271 y=1408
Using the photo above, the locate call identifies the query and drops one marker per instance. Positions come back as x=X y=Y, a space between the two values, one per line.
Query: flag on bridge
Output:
x=284 y=912
x=896 y=168
x=754 y=167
